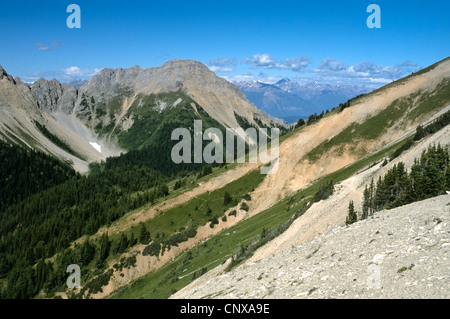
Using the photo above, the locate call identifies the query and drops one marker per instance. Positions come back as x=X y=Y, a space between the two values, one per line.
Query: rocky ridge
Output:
x=101 y=109
x=220 y=98
x=54 y=96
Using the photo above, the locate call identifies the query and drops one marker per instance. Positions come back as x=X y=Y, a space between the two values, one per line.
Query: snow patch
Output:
x=96 y=146
x=161 y=105
x=177 y=102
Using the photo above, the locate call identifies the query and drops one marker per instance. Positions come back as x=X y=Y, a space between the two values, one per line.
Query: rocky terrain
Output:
x=113 y=97
x=218 y=97
x=322 y=216
x=398 y=253
x=99 y=110
x=21 y=106
x=296 y=172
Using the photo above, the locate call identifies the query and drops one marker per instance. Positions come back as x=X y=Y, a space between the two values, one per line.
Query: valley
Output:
x=155 y=228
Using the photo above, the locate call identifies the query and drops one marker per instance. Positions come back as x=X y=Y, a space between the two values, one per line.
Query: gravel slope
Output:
x=398 y=253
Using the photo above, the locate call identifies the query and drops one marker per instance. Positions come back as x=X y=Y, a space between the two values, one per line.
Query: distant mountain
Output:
x=289 y=100
x=274 y=100
x=121 y=109
x=77 y=83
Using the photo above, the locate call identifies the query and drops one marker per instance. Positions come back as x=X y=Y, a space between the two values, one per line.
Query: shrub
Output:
x=153 y=249
x=227 y=198
x=199 y=273
x=401 y=149
x=244 y=206
x=214 y=221
x=180 y=237
x=232 y=213
x=325 y=191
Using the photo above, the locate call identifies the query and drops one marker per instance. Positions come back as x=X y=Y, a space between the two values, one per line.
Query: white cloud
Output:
x=63 y=75
x=249 y=77
x=331 y=65
x=55 y=43
x=47 y=47
x=266 y=61
x=238 y=78
x=220 y=69
x=75 y=71
x=222 y=65
x=364 y=72
x=223 y=62
x=42 y=47
x=297 y=64
x=380 y=80
x=408 y=63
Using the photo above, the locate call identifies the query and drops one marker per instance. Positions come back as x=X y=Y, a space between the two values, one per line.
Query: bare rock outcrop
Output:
x=54 y=96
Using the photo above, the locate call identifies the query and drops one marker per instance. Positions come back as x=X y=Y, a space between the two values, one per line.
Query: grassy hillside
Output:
x=230 y=242
x=402 y=111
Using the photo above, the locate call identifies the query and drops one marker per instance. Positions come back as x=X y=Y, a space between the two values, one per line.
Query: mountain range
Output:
x=119 y=110
x=290 y=100
x=139 y=226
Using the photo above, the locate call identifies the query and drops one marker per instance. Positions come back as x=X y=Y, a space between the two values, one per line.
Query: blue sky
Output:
x=326 y=41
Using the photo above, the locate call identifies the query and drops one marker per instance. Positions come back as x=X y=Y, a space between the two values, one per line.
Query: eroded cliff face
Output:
x=55 y=96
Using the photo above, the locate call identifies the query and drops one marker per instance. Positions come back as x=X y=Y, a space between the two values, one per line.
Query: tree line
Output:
x=24 y=172
x=46 y=206
x=428 y=177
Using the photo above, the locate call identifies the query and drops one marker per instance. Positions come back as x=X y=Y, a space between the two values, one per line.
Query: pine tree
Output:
x=420 y=133
x=123 y=243
x=133 y=240
x=144 y=235
x=352 y=215
x=227 y=198
x=104 y=247
x=366 y=203
x=300 y=123
x=87 y=253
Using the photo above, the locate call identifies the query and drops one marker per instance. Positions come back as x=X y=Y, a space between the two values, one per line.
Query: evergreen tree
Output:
x=352 y=215
x=144 y=235
x=300 y=123
x=123 y=243
x=227 y=198
x=87 y=253
x=366 y=203
x=104 y=247
x=420 y=133
x=429 y=177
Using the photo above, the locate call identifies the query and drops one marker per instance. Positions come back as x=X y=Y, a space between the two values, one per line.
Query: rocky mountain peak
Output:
x=5 y=75
x=54 y=96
